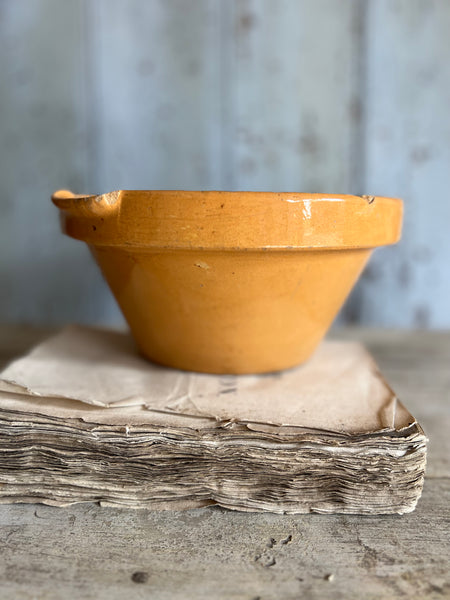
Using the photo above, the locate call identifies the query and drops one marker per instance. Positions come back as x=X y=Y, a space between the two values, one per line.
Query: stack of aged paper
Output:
x=84 y=418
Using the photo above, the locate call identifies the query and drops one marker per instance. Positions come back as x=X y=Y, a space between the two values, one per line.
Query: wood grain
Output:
x=406 y=149
x=302 y=95
x=288 y=133
x=92 y=552
x=159 y=101
x=45 y=135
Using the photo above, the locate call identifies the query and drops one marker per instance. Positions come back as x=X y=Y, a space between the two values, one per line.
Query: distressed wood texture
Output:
x=45 y=136
x=157 y=69
x=289 y=63
x=200 y=98
x=206 y=94
x=304 y=95
x=92 y=552
x=407 y=154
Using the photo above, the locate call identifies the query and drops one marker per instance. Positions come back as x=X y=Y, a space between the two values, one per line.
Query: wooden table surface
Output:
x=92 y=552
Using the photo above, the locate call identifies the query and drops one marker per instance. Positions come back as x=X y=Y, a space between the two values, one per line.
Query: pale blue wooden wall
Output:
x=347 y=96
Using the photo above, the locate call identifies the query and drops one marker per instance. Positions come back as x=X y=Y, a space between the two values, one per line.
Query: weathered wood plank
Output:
x=408 y=155
x=294 y=94
x=158 y=70
x=44 y=134
x=309 y=94
x=91 y=552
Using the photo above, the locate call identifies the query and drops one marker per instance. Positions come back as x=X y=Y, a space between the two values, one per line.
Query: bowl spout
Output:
x=82 y=205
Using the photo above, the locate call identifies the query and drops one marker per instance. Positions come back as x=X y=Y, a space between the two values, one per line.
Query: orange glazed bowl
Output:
x=230 y=282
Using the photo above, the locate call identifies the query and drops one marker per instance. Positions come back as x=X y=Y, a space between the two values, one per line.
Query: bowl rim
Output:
x=230 y=220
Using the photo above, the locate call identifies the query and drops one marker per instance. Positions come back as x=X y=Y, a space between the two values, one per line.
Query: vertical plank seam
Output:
x=358 y=144
x=227 y=112
x=92 y=90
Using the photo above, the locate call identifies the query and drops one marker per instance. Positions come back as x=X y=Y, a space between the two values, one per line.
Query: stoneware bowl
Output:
x=230 y=282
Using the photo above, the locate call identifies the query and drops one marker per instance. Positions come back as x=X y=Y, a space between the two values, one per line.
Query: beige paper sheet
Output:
x=98 y=376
